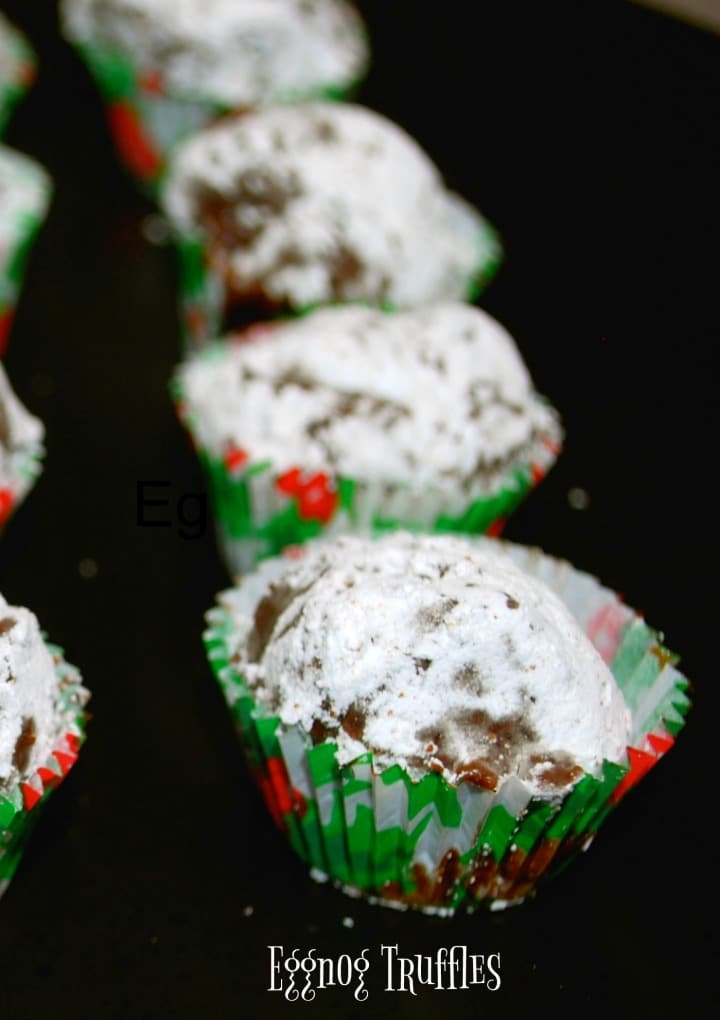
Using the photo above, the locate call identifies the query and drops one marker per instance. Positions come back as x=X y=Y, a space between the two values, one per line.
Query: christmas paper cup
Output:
x=355 y=419
x=21 y=450
x=295 y=206
x=423 y=843
x=260 y=511
x=25 y=190
x=17 y=70
x=21 y=802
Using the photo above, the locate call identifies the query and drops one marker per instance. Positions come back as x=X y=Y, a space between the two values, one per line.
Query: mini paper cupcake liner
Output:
x=260 y=510
x=426 y=844
x=19 y=73
x=19 y=227
x=21 y=803
x=206 y=302
x=146 y=120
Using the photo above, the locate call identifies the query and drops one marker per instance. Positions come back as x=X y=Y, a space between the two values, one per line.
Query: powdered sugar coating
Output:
x=30 y=716
x=239 y=53
x=434 y=653
x=436 y=396
x=321 y=202
x=21 y=436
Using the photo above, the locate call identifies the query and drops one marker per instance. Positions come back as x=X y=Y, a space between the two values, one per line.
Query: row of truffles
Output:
x=429 y=721
x=434 y=719
x=290 y=200
x=42 y=725
x=42 y=699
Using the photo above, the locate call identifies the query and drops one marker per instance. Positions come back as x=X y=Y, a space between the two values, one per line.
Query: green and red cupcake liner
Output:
x=424 y=843
x=147 y=120
x=261 y=510
x=21 y=803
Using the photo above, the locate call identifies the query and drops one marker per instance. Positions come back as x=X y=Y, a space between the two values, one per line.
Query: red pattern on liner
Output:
x=31 y=796
x=6 y=504
x=642 y=761
x=235 y=458
x=497 y=527
x=133 y=143
x=317 y=500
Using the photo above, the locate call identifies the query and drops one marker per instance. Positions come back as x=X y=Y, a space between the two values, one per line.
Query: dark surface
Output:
x=586 y=132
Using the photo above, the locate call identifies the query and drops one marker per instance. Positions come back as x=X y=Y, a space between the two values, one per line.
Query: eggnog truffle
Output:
x=432 y=398
x=433 y=653
x=21 y=438
x=323 y=202
x=32 y=717
x=237 y=53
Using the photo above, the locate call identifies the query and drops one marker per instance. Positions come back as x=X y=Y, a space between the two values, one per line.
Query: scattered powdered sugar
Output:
x=238 y=53
x=432 y=652
x=30 y=721
x=434 y=396
x=320 y=202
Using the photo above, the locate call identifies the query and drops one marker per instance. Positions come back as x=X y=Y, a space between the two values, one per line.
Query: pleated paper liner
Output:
x=21 y=804
x=207 y=306
x=436 y=847
x=147 y=121
x=18 y=230
x=260 y=511
x=20 y=72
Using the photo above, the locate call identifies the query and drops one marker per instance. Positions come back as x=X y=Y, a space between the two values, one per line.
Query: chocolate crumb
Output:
x=478 y=773
x=319 y=732
x=353 y=722
x=432 y=617
x=24 y=745
x=555 y=771
x=345 y=268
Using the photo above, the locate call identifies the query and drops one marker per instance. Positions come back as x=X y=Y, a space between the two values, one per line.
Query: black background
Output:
x=587 y=133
